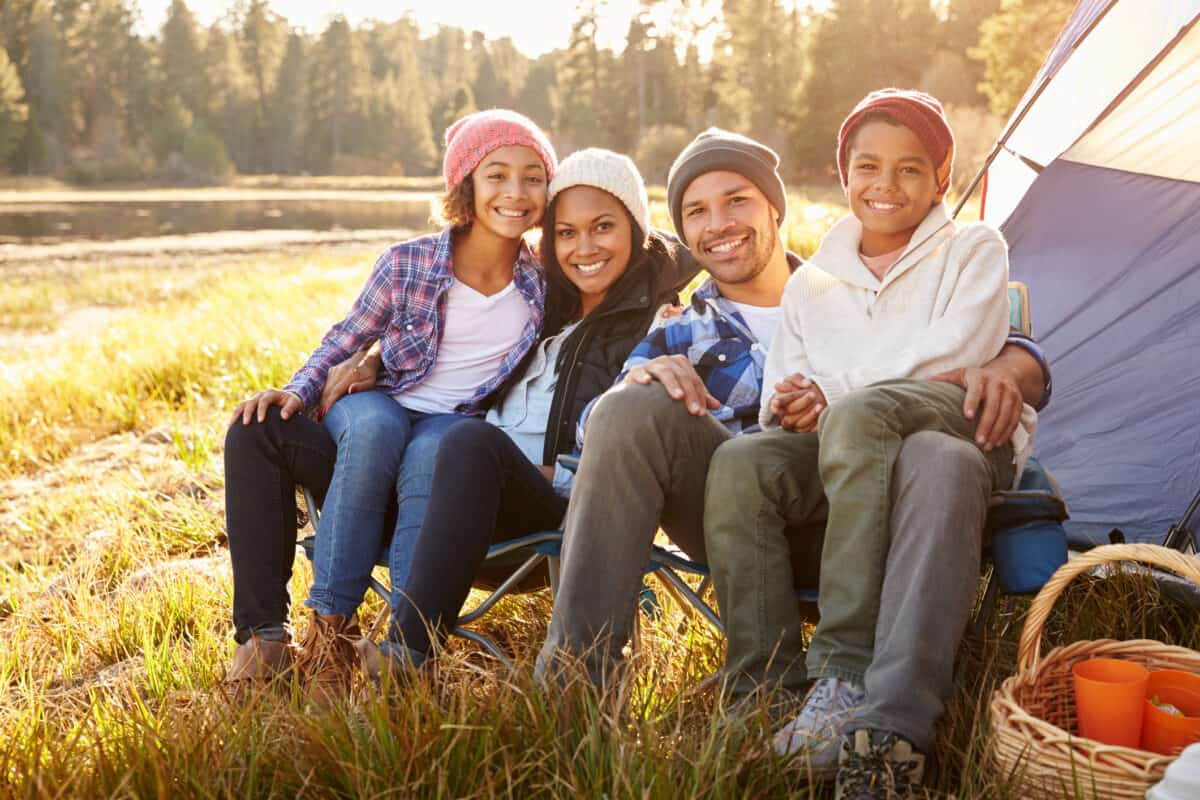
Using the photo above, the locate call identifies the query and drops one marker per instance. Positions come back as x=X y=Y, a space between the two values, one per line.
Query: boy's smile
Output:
x=891 y=184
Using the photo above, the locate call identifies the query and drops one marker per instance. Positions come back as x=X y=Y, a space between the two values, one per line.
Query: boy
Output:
x=896 y=294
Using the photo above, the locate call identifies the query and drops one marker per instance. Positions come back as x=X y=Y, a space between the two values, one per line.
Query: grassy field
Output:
x=115 y=589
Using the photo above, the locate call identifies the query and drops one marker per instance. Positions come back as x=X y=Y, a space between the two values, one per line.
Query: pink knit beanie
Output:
x=920 y=113
x=470 y=139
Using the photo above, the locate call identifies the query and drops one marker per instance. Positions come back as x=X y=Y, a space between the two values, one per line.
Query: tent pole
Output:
x=1024 y=110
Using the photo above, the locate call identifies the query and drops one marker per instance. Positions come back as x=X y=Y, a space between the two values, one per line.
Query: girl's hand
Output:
x=356 y=374
x=258 y=404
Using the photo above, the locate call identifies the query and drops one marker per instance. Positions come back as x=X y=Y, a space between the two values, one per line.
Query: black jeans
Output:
x=264 y=462
x=484 y=491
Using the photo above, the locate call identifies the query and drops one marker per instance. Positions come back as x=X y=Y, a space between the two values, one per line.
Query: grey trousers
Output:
x=939 y=492
x=644 y=464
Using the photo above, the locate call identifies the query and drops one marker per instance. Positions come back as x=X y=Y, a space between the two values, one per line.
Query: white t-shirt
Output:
x=763 y=320
x=480 y=331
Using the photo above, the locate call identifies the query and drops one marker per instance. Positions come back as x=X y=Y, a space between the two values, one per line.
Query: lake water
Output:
x=51 y=222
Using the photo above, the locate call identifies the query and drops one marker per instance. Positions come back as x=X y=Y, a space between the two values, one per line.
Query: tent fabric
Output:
x=1082 y=18
x=1107 y=237
x=1155 y=130
x=1116 y=305
x=1088 y=79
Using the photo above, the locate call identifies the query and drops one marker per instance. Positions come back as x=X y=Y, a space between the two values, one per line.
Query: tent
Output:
x=1096 y=185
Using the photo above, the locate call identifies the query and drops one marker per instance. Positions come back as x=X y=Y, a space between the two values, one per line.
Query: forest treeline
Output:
x=87 y=98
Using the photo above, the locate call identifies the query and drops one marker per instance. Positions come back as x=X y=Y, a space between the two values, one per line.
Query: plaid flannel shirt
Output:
x=716 y=339
x=403 y=305
x=719 y=343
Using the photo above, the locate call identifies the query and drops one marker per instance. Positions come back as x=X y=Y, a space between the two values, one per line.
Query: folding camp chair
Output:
x=519 y=558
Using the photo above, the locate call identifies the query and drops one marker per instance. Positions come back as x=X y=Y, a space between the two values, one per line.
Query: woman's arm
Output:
x=358 y=373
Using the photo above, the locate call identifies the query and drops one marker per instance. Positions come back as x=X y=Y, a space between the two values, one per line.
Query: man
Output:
x=691 y=385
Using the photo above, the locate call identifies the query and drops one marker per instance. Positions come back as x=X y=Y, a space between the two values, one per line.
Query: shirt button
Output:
x=720 y=357
x=408 y=327
x=756 y=346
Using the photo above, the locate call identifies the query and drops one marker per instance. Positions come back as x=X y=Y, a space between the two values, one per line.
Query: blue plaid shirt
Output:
x=716 y=339
x=403 y=305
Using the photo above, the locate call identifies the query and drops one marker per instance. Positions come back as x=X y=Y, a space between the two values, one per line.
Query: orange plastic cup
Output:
x=1110 y=700
x=1163 y=732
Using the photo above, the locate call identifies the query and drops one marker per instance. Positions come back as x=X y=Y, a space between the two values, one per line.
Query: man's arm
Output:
x=997 y=391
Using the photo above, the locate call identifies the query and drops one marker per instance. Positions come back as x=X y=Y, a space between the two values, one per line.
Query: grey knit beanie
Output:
x=612 y=172
x=715 y=150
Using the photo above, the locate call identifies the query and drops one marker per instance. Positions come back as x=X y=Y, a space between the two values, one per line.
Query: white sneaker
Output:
x=817 y=730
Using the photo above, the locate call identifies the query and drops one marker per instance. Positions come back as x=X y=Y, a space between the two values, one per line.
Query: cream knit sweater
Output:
x=942 y=305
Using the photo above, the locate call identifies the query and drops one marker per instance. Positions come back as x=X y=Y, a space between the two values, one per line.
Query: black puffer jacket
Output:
x=591 y=357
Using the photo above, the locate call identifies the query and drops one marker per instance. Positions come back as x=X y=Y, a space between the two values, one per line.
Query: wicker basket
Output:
x=1033 y=712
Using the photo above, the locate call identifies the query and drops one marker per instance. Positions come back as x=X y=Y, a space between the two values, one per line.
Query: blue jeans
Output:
x=383 y=451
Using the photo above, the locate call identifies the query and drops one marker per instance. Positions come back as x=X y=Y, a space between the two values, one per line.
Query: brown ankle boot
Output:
x=259 y=660
x=328 y=658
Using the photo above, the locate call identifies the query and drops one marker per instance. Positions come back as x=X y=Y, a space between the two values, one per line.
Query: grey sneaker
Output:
x=817 y=730
x=878 y=765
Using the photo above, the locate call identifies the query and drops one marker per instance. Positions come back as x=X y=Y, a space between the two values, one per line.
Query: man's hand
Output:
x=996 y=389
x=356 y=374
x=258 y=404
x=797 y=403
x=679 y=378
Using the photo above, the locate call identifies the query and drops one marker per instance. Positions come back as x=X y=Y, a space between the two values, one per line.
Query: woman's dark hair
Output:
x=562 y=297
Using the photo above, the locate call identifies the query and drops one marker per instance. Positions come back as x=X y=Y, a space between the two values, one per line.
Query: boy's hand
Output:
x=997 y=390
x=257 y=405
x=798 y=402
x=356 y=374
x=679 y=378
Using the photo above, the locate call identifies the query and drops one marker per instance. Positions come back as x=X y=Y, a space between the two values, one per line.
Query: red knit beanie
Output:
x=470 y=139
x=920 y=113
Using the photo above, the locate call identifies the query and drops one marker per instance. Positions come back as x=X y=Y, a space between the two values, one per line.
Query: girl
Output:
x=454 y=314
x=608 y=272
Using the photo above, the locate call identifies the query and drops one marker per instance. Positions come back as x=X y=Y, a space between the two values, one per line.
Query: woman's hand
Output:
x=356 y=374
x=258 y=404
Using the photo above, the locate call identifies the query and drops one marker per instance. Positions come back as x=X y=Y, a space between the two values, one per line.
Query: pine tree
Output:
x=181 y=57
x=337 y=73
x=287 y=117
x=580 y=119
x=13 y=111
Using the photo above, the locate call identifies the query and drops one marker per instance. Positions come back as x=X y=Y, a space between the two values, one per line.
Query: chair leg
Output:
x=501 y=590
x=380 y=588
x=985 y=606
x=486 y=643
x=687 y=598
x=553 y=563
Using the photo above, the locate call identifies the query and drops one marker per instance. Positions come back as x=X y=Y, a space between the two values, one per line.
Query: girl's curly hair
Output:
x=457 y=205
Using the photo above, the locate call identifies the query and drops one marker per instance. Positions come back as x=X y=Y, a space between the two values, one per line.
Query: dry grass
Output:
x=115 y=592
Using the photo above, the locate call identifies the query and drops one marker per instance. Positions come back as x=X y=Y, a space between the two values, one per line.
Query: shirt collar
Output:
x=526 y=266
x=710 y=291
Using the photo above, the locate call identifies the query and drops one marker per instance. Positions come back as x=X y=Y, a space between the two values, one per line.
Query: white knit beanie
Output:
x=612 y=172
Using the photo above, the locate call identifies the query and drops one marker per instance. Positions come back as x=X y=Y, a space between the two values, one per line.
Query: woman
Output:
x=426 y=302
x=608 y=272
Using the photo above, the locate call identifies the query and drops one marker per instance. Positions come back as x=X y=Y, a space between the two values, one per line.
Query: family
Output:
x=844 y=417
